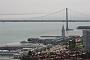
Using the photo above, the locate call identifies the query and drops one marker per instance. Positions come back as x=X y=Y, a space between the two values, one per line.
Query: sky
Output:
x=28 y=6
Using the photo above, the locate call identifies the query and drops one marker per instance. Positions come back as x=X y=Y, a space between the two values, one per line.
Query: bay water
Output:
x=19 y=31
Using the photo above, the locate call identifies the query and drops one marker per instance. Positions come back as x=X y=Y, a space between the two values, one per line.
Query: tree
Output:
x=72 y=44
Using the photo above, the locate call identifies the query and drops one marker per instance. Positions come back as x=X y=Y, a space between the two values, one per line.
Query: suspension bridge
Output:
x=49 y=18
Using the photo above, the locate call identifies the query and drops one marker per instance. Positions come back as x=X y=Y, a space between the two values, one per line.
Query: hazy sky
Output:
x=25 y=6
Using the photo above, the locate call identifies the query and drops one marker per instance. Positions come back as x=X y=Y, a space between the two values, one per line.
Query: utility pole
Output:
x=67 y=19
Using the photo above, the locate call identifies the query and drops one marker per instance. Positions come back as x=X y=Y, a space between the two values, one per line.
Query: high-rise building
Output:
x=86 y=39
x=63 y=31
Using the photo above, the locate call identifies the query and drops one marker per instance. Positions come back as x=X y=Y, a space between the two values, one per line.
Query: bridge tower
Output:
x=67 y=19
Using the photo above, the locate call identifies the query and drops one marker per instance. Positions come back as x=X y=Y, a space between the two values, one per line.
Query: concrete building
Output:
x=86 y=39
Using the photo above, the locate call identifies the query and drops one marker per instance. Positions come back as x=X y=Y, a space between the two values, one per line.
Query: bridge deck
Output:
x=44 y=21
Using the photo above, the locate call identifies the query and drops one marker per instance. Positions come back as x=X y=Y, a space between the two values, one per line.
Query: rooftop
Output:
x=83 y=27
